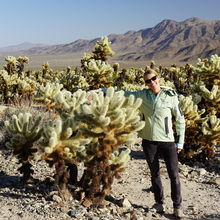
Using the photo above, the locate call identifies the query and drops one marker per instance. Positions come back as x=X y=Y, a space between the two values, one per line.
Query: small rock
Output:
x=124 y=203
x=142 y=180
x=56 y=198
x=72 y=213
x=215 y=180
x=20 y=214
x=80 y=212
x=37 y=205
x=87 y=203
x=94 y=218
x=202 y=171
x=194 y=209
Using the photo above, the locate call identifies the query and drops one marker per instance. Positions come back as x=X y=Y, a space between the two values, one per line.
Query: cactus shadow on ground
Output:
x=34 y=186
x=11 y=182
x=137 y=154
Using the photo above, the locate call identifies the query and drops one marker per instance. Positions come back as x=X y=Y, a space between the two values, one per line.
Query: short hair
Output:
x=150 y=71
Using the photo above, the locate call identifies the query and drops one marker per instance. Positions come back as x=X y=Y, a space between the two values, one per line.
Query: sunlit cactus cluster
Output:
x=101 y=52
x=72 y=81
x=100 y=74
x=85 y=131
x=208 y=69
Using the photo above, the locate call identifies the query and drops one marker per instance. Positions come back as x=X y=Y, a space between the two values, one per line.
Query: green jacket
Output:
x=157 y=114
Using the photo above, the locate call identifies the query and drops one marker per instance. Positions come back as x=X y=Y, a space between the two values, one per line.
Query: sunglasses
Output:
x=147 y=81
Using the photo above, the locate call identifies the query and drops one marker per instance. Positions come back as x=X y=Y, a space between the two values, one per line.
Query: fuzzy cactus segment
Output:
x=69 y=102
x=98 y=73
x=211 y=128
x=191 y=111
x=130 y=86
x=209 y=66
x=62 y=135
x=47 y=93
x=213 y=95
x=112 y=113
x=22 y=130
x=103 y=46
x=25 y=132
x=120 y=159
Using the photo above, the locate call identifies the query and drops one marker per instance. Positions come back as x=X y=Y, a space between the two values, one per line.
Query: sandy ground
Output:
x=201 y=196
x=201 y=200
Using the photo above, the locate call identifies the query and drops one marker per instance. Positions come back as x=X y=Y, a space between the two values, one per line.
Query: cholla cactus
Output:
x=208 y=72
x=191 y=112
x=97 y=66
x=61 y=144
x=211 y=97
x=202 y=133
x=204 y=139
x=112 y=121
x=120 y=159
x=15 y=65
x=20 y=64
x=27 y=86
x=25 y=132
x=116 y=67
x=86 y=58
x=152 y=64
x=101 y=52
x=167 y=83
x=9 y=84
x=98 y=74
x=208 y=69
x=47 y=93
x=130 y=76
x=211 y=129
x=62 y=136
x=46 y=69
x=130 y=86
x=103 y=49
x=72 y=81
x=10 y=67
x=69 y=102
x=183 y=78
x=112 y=113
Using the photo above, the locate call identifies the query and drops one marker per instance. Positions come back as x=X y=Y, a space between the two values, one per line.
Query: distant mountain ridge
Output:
x=19 y=47
x=183 y=41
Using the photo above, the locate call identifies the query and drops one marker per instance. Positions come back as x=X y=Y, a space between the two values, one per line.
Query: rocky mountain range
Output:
x=168 y=41
x=20 y=47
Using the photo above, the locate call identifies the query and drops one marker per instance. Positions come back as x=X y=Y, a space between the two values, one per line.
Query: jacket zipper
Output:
x=153 y=121
x=166 y=125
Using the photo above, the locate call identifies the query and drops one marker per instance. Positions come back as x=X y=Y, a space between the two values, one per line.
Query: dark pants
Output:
x=153 y=150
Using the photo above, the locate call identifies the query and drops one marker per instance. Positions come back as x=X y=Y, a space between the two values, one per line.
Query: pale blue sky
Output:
x=64 y=21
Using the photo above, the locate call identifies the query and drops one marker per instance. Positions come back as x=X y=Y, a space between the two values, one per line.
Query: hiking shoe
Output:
x=178 y=213
x=160 y=208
